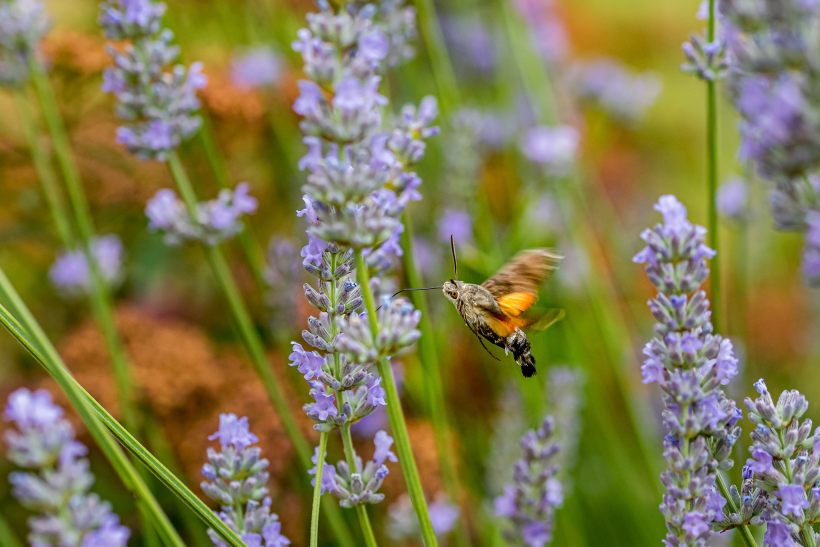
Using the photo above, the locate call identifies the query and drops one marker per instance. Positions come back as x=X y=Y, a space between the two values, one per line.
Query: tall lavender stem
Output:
x=712 y=175
x=394 y=411
x=100 y=295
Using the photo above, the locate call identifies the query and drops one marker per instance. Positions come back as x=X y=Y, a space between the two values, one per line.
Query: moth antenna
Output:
x=455 y=262
x=404 y=290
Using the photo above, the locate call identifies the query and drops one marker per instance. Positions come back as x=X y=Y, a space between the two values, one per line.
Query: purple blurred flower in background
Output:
x=732 y=198
x=158 y=105
x=470 y=42
x=57 y=487
x=548 y=30
x=528 y=505
x=554 y=148
x=457 y=223
x=217 y=220
x=23 y=23
x=610 y=86
x=257 y=67
x=773 y=84
x=402 y=523
x=71 y=275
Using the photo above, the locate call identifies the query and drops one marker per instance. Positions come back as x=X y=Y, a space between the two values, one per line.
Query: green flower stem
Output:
x=745 y=533
x=712 y=178
x=34 y=340
x=317 y=492
x=249 y=243
x=101 y=303
x=255 y=348
x=434 y=389
x=44 y=168
x=164 y=452
x=7 y=536
x=361 y=510
x=100 y=296
x=394 y=411
x=439 y=57
x=367 y=529
x=531 y=70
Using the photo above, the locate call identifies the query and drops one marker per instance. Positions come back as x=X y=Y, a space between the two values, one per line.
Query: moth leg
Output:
x=481 y=342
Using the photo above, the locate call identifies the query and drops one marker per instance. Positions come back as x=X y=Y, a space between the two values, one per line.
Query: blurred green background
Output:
x=189 y=367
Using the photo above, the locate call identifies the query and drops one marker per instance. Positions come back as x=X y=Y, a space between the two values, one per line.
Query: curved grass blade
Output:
x=31 y=336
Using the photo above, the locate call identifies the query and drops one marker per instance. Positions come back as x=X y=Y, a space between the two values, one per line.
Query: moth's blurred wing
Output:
x=514 y=304
x=523 y=275
x=547 y=319
x=536 y=319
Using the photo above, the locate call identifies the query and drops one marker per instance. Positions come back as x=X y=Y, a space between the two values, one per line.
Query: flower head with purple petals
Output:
x=57 y=484
x=236 y=480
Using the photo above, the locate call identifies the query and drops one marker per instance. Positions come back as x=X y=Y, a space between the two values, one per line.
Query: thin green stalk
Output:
x=434 y=389
x=317 y=491
x=367 y=529
x=361 y=510
x=439 y=57
x=164 y=452
x=44 y=168
x=34 y=340
x=7 y=536
x=745 y=533
x=101 y=303
x=602 y=295
x=255 y=348
x=712 y=178
x=100 y=296
x=394 y=412
x=250 y=245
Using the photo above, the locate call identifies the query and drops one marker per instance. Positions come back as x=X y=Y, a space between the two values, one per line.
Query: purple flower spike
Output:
x=55 y=482
x=690 y=363
x=236 y=480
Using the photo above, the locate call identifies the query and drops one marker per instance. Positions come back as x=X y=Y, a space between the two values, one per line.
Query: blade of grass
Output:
x=396 y=415
x=434 y=390
x=255 y=348
x=31 y=336
x=7 y=536
x=101 y=302
x=602 y=296
x=443 y=72
x=317 y=491
x=712 y=182
x=250 y=245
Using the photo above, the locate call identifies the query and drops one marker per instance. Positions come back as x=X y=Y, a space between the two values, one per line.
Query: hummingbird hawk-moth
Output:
x=497 y=310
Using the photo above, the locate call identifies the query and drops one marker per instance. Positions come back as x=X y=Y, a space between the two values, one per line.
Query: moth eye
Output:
x=453 y=294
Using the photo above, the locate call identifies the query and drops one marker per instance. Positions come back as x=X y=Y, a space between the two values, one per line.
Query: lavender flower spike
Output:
x=217 y=220
x=528 y=504
x=23 y=23
x=236 y=479
x=158 y=104
x=71 y=276
x=690 y=364
x=360 y=485
x=59 y=483
x=784 y=467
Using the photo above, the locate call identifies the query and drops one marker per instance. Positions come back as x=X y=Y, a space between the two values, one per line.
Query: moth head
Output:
x=452 y=290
